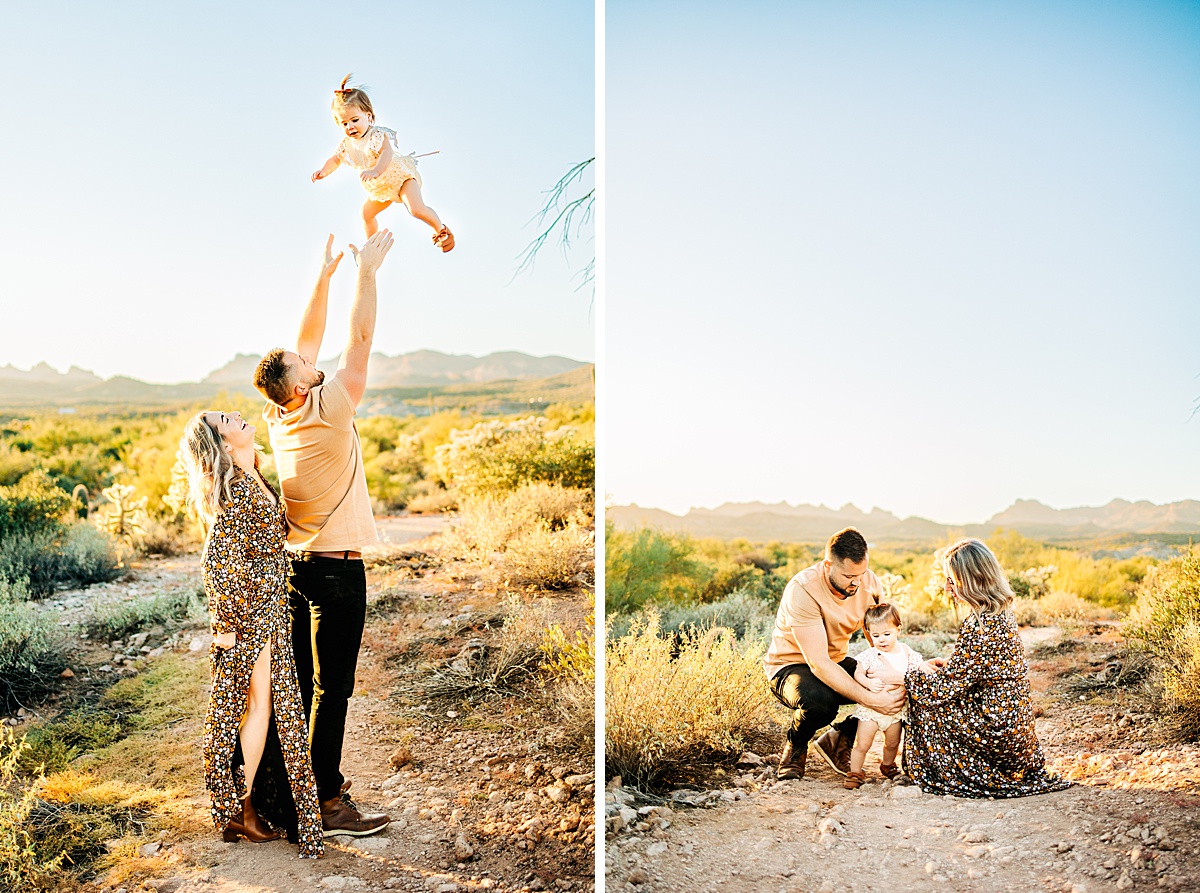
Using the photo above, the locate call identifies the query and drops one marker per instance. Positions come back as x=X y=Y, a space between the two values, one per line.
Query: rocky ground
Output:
x=1132 y=821
x=484 y=795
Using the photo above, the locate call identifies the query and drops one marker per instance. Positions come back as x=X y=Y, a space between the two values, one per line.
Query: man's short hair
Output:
x=273 y=378
x=847 y=545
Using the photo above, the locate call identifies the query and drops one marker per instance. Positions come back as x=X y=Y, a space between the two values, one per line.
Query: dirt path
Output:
x=479 y=797
x=1132 y=821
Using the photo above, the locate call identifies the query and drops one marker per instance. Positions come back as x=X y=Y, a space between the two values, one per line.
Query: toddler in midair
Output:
x=387 y=175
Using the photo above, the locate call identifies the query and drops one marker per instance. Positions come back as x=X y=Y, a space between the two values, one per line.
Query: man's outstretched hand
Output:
x=374 y=250
x=330 y=262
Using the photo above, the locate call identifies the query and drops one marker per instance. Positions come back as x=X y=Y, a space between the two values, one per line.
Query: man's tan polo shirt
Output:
x=808 y=600
x=320 y=465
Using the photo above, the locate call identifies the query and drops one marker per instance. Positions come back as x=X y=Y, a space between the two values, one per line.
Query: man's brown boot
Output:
x=791 y=764
x=834 y=749
x=339 y=818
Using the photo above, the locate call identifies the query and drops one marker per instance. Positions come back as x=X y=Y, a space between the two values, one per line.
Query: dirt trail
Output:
x=470 y=811
x=1132 y=821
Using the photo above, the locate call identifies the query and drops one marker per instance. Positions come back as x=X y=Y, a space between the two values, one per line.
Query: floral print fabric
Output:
x=245 y=573
x=363 y=153
x=970 y=725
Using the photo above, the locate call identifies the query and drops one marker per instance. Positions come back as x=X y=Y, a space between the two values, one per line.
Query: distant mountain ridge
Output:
x=814 y=523
x=422 y=368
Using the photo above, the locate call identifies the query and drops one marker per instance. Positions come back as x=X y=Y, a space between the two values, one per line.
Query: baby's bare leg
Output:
x=891 y=742
x=410 y=194
x=862 y=743
x=370 y=210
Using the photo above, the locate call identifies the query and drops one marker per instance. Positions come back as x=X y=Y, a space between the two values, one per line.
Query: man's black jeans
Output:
x=815 y=703
x=328 y=598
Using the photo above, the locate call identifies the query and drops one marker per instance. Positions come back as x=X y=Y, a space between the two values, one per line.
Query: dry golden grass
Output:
x=549 y=559
x=672 y=702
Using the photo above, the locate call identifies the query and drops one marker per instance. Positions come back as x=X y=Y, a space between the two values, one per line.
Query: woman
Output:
x=255 y=697
x=971 y=730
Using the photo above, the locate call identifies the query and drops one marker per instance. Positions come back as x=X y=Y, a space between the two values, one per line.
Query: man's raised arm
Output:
x=312 y=324
x=814 y=645
x=352 y=371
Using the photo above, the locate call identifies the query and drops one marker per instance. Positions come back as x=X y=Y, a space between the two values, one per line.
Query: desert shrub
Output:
x=650 y=566
x=927 y=608
x=431 y=499
x=72 y=556
x=500 y=455
x=547 y=558
x=1028 y=612
x=395 y=468
x=490 y=522
x=22 y=866
x=115 y=620
x=33 y=505
x=1166 y=622
x=30 y=648
x=167 y=538
x=747 y=616
x=672 y=702
x=1031 y=583
x=1068 y=610
x=569 y=668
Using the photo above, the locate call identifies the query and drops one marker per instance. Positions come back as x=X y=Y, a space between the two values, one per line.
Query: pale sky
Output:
x=157 y=214
x=932 y=257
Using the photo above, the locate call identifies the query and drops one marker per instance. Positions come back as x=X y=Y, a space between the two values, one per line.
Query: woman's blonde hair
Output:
x=356 y=96
x=978 y=576
x=210 y=468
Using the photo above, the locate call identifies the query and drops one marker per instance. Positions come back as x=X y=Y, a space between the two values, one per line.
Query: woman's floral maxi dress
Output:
x=970 y=729
x=245 y=573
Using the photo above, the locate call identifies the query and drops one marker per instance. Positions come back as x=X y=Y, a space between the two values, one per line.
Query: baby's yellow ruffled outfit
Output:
x=363 y=153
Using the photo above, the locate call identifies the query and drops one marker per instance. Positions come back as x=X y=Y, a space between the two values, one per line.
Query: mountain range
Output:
x=808 y=523
x=423 y=368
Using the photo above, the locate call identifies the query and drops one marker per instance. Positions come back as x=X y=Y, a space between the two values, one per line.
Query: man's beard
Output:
x=320 y=376
x=847 y=593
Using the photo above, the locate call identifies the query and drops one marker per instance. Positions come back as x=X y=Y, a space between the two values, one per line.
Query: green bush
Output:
x=498 y=456
x=30 y=648
x=1166 y=622
x=71 y=557
x=54 y=745
x=649 y=566
x=117 y=619
x=33 y=505
x=743 y=612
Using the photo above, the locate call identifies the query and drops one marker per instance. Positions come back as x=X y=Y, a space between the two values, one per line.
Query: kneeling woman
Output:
x=971 y=731
x=255 y=697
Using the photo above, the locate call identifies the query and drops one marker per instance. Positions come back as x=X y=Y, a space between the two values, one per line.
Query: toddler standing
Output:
x=882 y=627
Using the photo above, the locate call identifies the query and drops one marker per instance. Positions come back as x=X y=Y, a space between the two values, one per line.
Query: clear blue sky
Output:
x=158 y=217
x=933 y=257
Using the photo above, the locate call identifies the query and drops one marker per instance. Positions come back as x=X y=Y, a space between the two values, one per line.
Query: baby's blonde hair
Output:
x=355 y=96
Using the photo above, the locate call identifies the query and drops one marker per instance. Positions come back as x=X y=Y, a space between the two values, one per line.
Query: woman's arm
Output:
x=964 y=670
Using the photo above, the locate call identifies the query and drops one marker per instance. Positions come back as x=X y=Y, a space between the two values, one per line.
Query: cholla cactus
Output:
x=1038 y=579
x=124 y=517
x=176 y=496
x=895 y=588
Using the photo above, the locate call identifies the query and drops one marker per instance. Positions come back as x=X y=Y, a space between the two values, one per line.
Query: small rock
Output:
x=976 y=852
x=333 y=882
x=149 y=849
x=1124 y=882
x=451 y=887
x=1064 y=846
x=400 y=758
x=829 y=825
x=749 y=760
x=656 y=849
x=68 y=673
x=638 y=876
x=462 y=849
x=167 y=885
x=577 y=781
x=826 y=887
x=559 y=793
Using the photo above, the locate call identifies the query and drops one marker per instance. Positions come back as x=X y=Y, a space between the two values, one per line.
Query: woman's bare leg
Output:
x=862 y=743
x=257 y=719
x=370 y=210
x=410 y=194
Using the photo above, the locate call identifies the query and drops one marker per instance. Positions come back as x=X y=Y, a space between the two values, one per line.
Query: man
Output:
x=807 y=665
x=329 y=520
